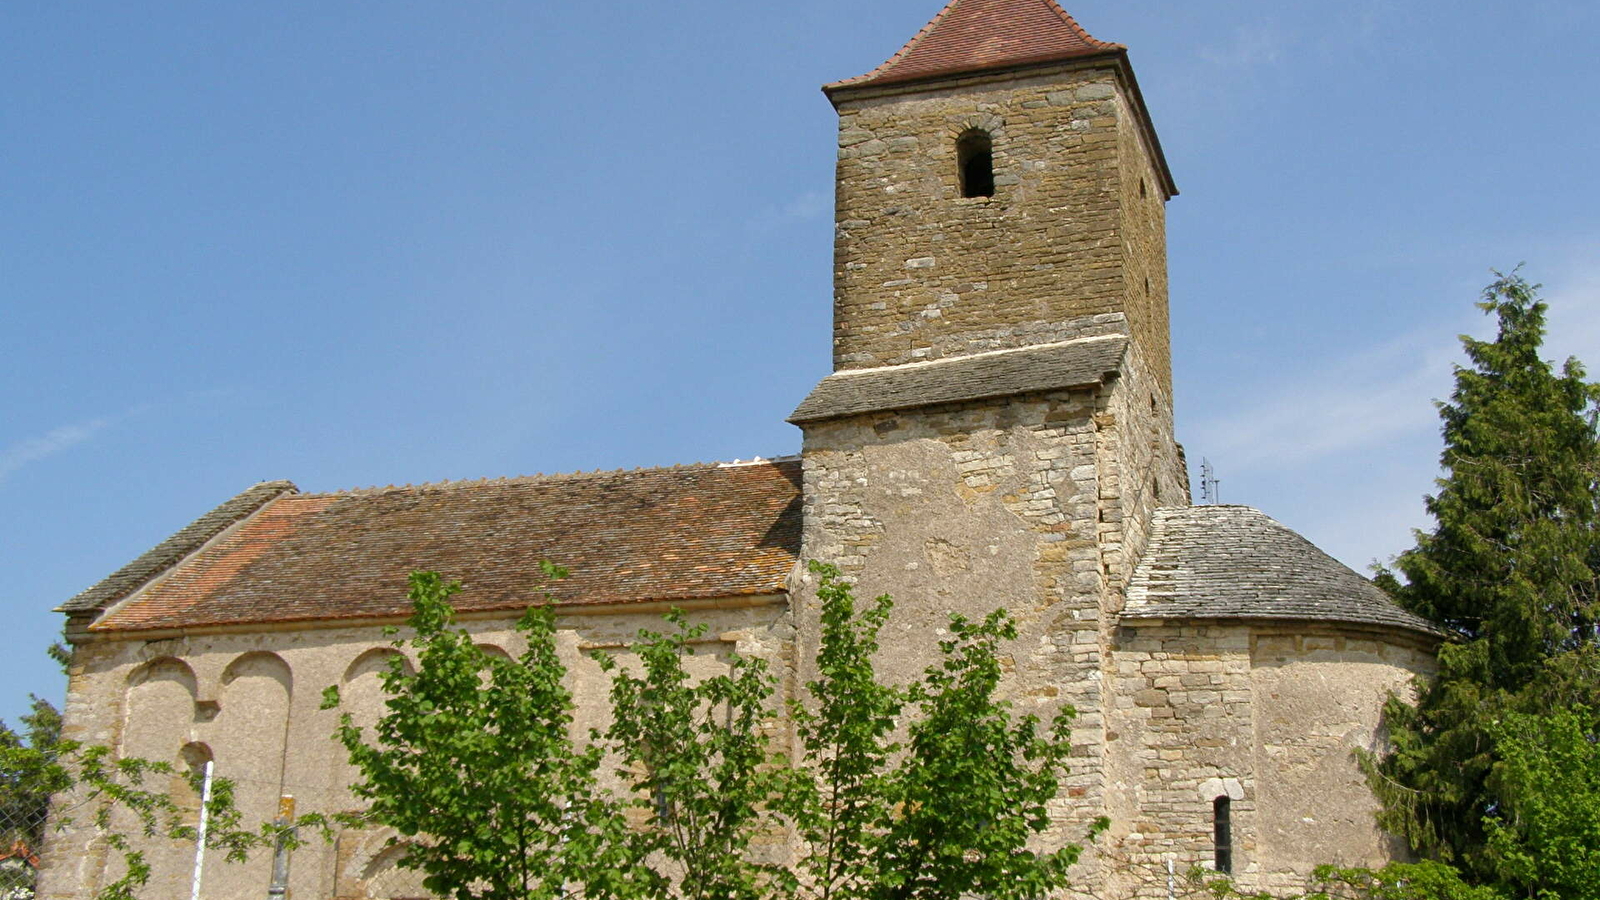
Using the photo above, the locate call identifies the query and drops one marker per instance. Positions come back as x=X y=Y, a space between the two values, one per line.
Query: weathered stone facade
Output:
x=1266 y=714
x=998 y=433
x=251 y=700
x=1076 y=226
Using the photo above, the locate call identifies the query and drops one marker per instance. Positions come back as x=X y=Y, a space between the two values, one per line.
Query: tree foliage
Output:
x=1396 y=881
x=25 y=785
x=928 y=791
x=704 y=773
x=475 y=767
x=1511 y=572
x=950 y=810
x=128 y=800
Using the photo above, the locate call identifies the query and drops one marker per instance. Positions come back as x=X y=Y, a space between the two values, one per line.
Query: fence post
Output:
x=279 y=888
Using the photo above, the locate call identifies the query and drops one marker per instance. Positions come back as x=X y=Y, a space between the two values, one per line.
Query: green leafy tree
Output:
x=1511 y=572
x=1396 y=881
x=704 y=771
x=24 y=795
x=951 y=810
x=930 y=791
x=846 y=735
x=129 y=801
x=474 y=765
x=1546 y=777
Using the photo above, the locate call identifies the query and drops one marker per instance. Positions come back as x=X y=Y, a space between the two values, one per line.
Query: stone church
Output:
x=997 y=431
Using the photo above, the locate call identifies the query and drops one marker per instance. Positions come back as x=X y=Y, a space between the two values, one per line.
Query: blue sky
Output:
x=368 y=243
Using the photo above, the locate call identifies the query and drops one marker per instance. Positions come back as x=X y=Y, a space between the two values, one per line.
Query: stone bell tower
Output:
x=998 y=427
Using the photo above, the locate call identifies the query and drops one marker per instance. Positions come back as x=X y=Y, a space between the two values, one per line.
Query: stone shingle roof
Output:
x=169 y=552
x=681 y=533
x=1236 y=562
x=979 y=35
x=1000 y=373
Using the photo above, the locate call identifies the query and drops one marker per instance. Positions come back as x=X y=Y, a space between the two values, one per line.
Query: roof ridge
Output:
x=543 y=477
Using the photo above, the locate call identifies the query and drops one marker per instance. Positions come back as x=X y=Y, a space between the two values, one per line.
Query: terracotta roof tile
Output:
x=978 y=35
x=174 y=549
x=650 y=534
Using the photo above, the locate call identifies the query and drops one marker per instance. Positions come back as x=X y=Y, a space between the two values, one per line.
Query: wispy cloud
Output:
x=1386 y=392
x=44 y=446
x=1573 y=292
x=1365 y=399
x=1345 y=452
x=1249 y=45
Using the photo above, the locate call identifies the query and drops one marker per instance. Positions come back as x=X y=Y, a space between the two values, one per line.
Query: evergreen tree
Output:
x=1509 y=572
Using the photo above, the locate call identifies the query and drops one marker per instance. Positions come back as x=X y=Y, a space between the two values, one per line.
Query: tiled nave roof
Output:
x=680 y=533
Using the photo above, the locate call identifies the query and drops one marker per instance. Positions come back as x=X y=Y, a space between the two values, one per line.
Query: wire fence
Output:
x=22 y=825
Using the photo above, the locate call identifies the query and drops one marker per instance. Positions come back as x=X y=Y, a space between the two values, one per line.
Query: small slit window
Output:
x=1222 y=834
x=975 y=159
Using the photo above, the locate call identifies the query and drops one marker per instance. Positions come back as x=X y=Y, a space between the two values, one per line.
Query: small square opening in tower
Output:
x=975 y=162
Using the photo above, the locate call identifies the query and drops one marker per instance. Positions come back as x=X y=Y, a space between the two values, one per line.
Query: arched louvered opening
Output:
x=975 y=158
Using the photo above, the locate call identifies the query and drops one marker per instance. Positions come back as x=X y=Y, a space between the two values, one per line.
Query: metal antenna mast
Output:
x=1208 y=482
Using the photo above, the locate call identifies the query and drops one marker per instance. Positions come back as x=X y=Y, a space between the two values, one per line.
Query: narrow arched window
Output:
x=1222 y=834
x=975 y=158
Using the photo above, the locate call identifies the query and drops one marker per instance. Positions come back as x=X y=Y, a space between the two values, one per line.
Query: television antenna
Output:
x=1208 y=483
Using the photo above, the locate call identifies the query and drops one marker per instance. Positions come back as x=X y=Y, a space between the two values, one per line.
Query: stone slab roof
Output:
x=980 y=35
x=682 y=533
x=1001 y=373
x=1236 y=562
x=169 y=552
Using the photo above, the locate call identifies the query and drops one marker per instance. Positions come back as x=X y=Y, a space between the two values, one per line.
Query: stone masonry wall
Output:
x=965 y=508
x=1143 y=213
x=923 y=273
x=253 y=700
x=1269 y=716
x=1140 y=467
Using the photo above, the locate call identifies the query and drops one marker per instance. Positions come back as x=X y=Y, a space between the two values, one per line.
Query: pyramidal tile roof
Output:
x=978 y=35
x=273 y=555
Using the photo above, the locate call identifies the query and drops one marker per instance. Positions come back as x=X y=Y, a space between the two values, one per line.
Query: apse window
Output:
x=1222 y=834
x=975 y=158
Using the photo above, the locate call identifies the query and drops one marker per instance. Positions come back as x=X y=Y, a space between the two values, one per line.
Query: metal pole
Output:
x=200 y=838
x=280 y=856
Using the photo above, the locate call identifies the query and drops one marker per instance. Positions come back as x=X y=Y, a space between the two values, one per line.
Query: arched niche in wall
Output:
x=160 y=722
x=249 y=737
x=383 y=879
x=189 y=777
x=160 y=701
x=361 y=689
x=494 y=650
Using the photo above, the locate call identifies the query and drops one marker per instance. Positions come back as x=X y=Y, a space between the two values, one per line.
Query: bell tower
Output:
x=999 y=186
x=997 y=430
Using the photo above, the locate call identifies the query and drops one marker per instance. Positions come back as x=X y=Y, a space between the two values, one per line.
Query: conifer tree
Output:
x=1509 y=573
